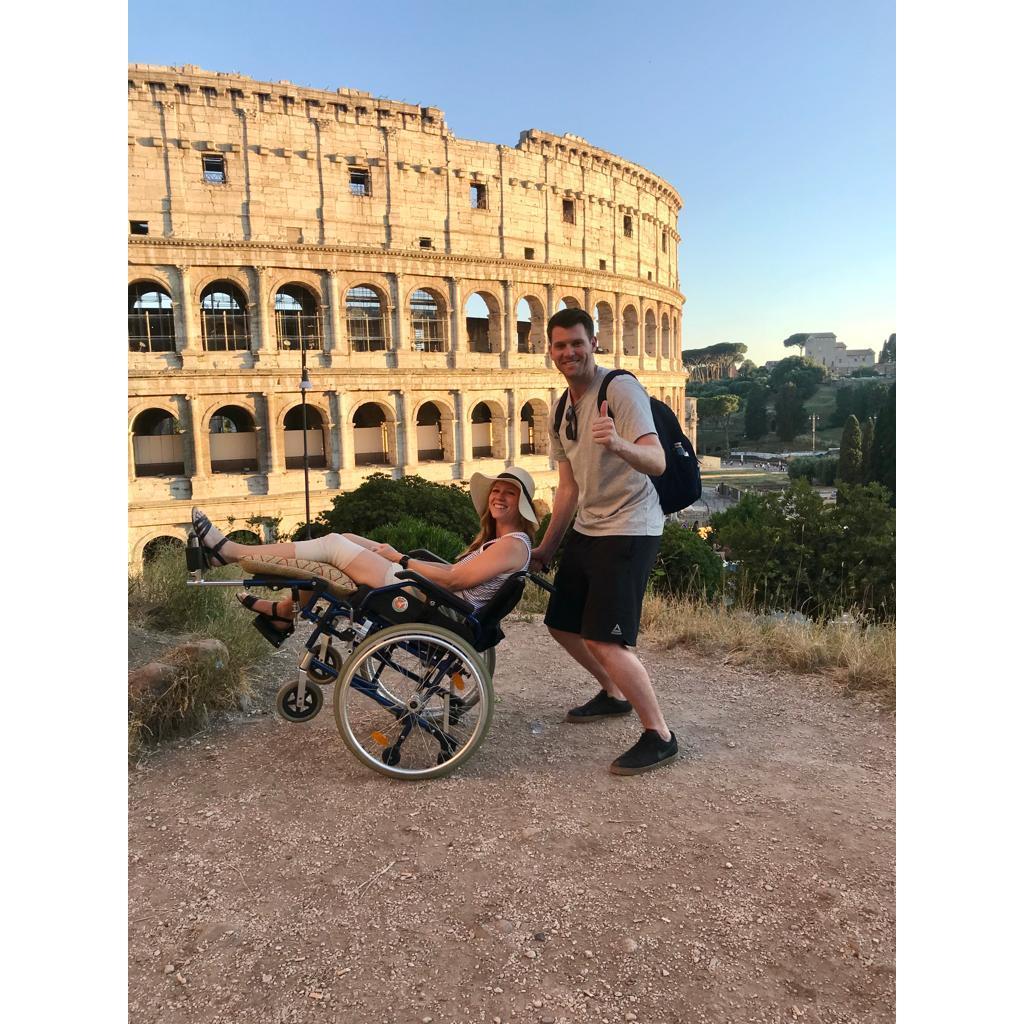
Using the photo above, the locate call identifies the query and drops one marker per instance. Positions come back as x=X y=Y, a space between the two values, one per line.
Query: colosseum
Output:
x=412 y=272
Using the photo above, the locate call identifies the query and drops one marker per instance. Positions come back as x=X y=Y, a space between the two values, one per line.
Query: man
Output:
x=603 y=466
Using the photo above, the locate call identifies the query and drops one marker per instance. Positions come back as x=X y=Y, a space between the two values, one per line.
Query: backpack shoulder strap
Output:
x=560 y=410
x=602 y=391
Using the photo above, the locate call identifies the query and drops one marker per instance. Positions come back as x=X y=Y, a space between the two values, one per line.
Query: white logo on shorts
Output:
x=616 y=631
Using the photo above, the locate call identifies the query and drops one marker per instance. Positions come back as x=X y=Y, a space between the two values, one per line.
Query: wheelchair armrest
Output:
x=445 y=597
x=427 y=556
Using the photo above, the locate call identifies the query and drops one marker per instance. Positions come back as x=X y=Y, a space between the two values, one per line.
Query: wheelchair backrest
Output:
x=507 y=597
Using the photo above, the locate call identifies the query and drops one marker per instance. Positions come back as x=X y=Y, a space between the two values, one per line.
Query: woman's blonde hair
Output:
x=489 y=530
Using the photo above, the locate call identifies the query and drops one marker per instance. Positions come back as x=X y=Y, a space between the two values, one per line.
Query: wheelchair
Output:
x=412 y=664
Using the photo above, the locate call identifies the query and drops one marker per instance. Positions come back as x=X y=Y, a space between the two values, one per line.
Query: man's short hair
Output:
x=570 y=317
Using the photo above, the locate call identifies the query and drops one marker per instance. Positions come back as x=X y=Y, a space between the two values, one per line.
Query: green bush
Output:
x=408 y=534
x=380 y=501
x=686 y=566
x=794 y=552
x=820 y=470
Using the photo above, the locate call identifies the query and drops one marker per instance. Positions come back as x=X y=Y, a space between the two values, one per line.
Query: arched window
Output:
x=527 y=440
x=150 y=318
x=650 y=334
x=630 y=332
x=429 y=436
x=429 y=333
x=155 y=547
x=480 y=419
x=315 y=449
x=530 y=326
x=233 y=441
x=224 y=317
x=367 y=327
x=483 y=323
x=298 y=319
x=157 y=444
x=603 y=324
x=371 y=436
x=666 y=338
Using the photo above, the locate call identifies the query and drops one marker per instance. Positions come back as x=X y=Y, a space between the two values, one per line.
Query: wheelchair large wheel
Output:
x=398 y=703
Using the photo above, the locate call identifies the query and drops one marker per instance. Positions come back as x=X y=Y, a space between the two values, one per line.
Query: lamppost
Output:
x=304 y=386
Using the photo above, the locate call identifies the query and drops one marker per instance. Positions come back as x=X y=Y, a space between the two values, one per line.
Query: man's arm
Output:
x=645 y=454
x=566 y=498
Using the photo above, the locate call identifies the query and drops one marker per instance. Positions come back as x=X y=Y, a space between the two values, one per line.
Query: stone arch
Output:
x=666 y=338
x=604 y=319
x=231 y=275
x=150 y=317
x=367 y=317
x=374 y=427
x=533 y=427
x=531 y=324
x=169 y=533
x=428 y=320
x=487 y=423
x=298 y=317
x=224 y=315
x=233 y=439
x=483 y=334
x=630 y=331
x=568 y=301
x=244 y=536
x=317 y=424
x=157 y=443
x=650 y=334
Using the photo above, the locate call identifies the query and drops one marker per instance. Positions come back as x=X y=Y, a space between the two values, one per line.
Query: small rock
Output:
x=179 y=977
x=538 y=1003
x=426 y=1020
x=539 y=936
x=630 y=1016
x=498 y=989
x=697 y=888
x=169 y=969
x=731 y=745
x=664 y=972
x=267 y=979
x=531 y=954
x=728 y=864
x=588 y=953
x=629 y=945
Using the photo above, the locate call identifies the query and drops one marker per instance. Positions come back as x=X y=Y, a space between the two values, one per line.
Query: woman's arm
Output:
x=506 y=556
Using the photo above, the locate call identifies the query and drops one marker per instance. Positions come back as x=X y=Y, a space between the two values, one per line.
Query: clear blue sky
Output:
x=775 y=121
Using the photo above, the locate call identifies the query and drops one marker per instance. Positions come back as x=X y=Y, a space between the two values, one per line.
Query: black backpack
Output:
x=679 y=486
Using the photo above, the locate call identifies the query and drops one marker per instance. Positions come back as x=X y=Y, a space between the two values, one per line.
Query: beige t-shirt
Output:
x=615 y=499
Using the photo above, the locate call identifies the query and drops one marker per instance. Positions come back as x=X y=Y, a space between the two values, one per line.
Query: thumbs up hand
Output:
x=603 y=430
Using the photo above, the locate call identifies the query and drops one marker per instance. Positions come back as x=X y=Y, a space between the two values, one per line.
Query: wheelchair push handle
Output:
x=541 y=582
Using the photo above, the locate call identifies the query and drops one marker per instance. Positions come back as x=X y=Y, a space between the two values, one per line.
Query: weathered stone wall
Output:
x=286 y=215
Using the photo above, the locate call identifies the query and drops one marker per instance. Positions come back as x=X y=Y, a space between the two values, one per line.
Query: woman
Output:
x=508 y=523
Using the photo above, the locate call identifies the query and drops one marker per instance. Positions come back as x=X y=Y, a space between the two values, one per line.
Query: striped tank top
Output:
x=479 y=595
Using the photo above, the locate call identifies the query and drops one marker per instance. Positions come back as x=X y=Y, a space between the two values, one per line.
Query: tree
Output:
x=806 y=374
x=747 y=368
x=755 y=416
x=849 y=471
x=790 y=414
x=888 y=353
x=867 y=437
x=720 y=409
x=713 y=362
x=796 y=339
x=883 y=448
x=380 y=501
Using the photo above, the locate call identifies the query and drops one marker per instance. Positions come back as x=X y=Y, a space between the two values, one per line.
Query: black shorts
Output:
x=599 y=587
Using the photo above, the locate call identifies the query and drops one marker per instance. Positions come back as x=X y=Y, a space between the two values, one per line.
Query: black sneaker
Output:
x=600 y=706
x=650 y=751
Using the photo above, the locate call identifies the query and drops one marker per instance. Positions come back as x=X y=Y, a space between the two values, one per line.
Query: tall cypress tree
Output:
x=790 y=414
x=755 y=416
x=883 y=450
x=849 y=469
x=867 y=438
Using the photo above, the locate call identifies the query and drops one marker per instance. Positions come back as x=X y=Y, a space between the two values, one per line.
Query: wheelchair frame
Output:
x=418 y=633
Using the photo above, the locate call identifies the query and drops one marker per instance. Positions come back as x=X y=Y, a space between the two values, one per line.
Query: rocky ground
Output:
x=273 y=878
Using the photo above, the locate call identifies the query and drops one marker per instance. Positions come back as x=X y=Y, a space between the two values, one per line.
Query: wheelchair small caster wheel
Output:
x=332 y=658
x=391 y=756
x=288 y=702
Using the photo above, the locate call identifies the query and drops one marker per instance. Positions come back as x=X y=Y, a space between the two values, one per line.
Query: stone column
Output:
x=408 y=446
x=186 y=328
x=511 y=335
x=338 y=338
x=131 y=457
x=618 y=330
x=200 y=440
x=263 y=341
x=512 y=439
x=463 y=453
x=275 y=442
x=400 y=337
x=333 y=432
x=345 y=432
x=457 y=334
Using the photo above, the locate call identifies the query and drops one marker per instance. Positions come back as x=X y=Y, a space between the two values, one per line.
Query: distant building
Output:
x=835 y=356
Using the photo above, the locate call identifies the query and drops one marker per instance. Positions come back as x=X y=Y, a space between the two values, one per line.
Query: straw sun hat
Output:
x=480 y=488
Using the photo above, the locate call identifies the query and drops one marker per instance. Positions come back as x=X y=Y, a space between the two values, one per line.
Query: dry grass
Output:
x=860 y=655
x=161 y=600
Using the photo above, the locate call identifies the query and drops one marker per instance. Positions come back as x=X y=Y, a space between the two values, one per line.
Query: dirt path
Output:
x=274 y=879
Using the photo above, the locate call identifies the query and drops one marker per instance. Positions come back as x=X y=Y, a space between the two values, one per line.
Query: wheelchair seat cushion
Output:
x=338 y=584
